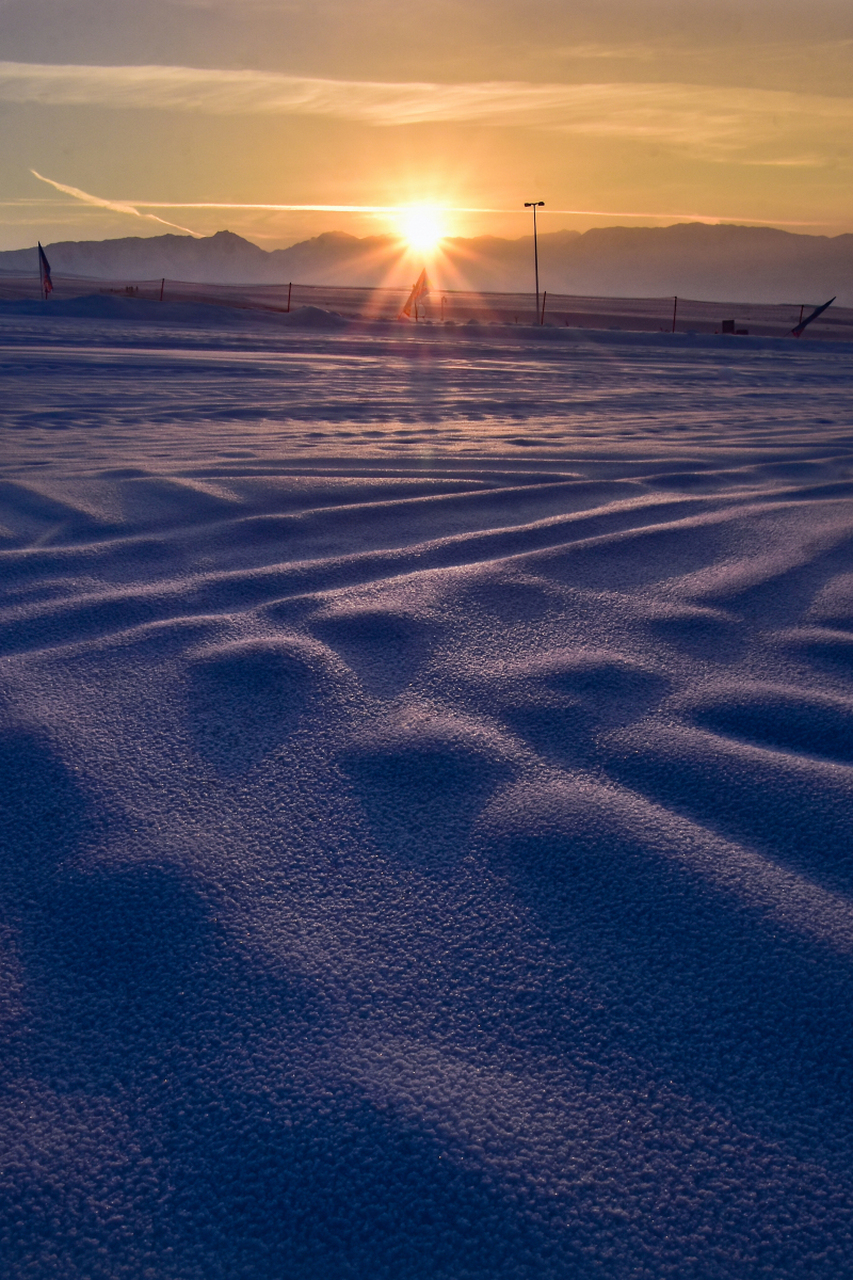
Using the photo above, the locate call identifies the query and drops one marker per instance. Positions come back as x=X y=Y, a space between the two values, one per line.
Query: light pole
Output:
x=534 y=205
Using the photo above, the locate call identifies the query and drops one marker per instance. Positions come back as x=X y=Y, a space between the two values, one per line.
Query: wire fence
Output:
x=455 y=307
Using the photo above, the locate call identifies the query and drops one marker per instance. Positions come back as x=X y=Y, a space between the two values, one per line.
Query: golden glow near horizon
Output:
x=423 y=227
x=283 y=120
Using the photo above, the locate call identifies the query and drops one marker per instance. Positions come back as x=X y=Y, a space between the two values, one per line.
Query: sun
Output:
x=422 y=227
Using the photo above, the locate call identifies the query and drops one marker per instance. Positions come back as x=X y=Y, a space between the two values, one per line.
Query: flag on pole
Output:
x=420 y=289
x=818 y=311
x=44 y=273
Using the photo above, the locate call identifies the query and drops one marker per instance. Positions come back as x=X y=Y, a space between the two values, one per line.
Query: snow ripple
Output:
x=427 y=776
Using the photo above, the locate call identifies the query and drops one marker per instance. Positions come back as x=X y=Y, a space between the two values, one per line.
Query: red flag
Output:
x=44 y=273
x=818 y=311
x=420 y=289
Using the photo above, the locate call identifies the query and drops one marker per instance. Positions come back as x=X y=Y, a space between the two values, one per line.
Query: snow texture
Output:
x=427 y=765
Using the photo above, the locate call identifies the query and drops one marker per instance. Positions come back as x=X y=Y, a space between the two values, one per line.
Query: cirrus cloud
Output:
x=710 y=121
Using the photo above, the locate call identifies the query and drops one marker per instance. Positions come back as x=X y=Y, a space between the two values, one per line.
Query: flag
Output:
x=818 y=311
x=44 y=273
x=420 y=289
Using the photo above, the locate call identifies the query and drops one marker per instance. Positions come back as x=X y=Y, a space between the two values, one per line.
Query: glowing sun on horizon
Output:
x=422 y=227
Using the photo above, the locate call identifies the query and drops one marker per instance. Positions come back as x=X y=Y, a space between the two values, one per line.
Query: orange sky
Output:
x=619 y=112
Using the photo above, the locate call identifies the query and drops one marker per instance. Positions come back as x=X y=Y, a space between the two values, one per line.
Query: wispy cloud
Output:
x=117 y=206
x=766 y=51
x=706 y=119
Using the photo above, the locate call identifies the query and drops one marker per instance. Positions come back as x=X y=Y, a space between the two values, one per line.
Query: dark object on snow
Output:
x=797 y=332
x=44 y=274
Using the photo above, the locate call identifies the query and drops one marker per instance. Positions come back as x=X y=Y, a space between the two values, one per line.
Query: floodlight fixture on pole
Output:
x=534 y=205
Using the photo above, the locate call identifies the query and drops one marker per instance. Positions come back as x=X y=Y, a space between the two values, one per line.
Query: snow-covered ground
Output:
x=427 y=781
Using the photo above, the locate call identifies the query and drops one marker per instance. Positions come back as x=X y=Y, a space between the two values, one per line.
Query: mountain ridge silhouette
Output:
x=696 y=260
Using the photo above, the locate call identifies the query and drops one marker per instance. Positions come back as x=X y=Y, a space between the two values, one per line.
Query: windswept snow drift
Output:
x=427 y=768
x=144 y=311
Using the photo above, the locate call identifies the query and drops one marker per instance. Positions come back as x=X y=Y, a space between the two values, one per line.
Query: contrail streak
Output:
x=453 y=208
x=117 y=206
x=132 y=207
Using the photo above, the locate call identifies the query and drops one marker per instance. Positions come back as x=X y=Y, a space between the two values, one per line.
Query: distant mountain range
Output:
x=713 y=263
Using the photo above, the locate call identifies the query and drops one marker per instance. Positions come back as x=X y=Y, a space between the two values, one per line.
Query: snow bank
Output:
x=124 y=311
x=313 y=318
x=143 y=310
